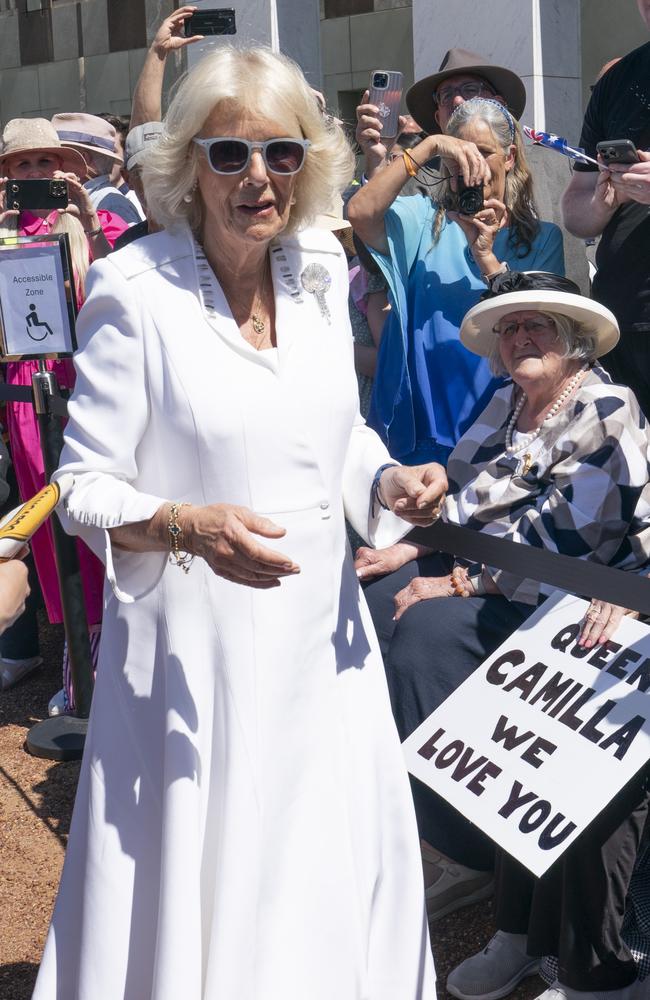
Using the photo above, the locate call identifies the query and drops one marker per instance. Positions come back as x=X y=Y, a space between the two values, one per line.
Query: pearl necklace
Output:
x=526 y=439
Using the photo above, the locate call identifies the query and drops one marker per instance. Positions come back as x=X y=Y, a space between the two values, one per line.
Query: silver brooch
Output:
x=316 y=280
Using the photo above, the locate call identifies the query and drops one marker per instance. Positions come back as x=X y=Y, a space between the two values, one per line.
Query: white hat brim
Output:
x=477 y=329
x=71 y=159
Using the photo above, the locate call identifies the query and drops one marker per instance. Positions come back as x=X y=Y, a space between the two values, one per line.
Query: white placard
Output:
x=543 y=734
x=35 y=317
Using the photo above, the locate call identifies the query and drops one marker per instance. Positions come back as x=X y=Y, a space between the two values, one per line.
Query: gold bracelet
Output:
x=177 y=554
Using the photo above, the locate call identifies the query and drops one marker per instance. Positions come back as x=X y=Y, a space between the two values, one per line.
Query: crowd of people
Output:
x=285 y=362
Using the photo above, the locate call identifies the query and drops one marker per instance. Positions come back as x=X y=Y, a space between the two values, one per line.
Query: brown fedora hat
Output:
x=420 y=100
x=29 y=135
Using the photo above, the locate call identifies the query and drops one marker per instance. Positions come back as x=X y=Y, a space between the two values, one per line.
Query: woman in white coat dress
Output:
x=243 y=828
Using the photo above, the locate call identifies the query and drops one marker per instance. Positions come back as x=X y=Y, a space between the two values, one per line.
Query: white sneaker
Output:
x=11 y=671
x=452 y=886
x=495 y=971
x=56 y=704
x=557 y=991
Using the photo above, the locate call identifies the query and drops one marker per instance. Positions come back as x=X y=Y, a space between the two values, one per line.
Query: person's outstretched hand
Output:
x=170 y=37
x=414 y=492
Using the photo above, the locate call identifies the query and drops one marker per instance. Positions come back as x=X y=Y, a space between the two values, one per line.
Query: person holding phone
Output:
x=243 y=826
x=428 y=387
x=30 y=149
x=431 y=101
x=613 y=201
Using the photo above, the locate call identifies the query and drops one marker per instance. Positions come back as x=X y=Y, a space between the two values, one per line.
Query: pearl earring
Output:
x=187 y=198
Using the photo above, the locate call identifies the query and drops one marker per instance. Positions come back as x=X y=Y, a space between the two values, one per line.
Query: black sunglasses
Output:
x=230 y=155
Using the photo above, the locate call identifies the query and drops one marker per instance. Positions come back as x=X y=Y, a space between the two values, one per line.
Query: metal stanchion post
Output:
x=62 y=737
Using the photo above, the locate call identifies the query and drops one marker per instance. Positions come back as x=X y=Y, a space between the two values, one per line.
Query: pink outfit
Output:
x=28 y=460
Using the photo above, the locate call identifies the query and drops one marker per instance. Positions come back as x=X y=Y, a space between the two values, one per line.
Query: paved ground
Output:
x=36 y=799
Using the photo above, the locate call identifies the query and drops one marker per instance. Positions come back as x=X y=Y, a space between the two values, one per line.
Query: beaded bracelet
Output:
x=178 y=555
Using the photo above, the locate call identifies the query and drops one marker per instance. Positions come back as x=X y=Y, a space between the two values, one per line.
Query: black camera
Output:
x=380 y=80
x=37 y=194
x=469 y=199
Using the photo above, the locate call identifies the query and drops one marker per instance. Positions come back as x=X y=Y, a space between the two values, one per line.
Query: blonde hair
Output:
x=79 y=253
x=253 y=81
x=518 y=198
x=578 y=342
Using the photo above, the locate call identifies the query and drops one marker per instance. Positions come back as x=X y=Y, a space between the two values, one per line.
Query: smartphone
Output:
x=37 y=194
x=215 y=21
x=617 y=151
x=386 y=94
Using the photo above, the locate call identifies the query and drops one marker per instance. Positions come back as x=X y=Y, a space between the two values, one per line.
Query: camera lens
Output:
x=470 y=200
x=380 y=81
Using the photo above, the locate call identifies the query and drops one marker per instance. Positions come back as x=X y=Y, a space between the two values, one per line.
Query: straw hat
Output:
x=420 y=100
x=28 y=135
x=87 y=133
x=332 y=219
x=536 y=290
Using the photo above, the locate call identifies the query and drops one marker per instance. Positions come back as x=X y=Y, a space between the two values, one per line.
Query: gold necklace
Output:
x=259 y=324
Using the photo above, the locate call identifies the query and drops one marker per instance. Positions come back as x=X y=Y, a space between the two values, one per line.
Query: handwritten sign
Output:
x=540 y=738
x=34 y=307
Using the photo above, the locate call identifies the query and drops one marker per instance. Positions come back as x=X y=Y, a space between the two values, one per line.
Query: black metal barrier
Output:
x=61 y=737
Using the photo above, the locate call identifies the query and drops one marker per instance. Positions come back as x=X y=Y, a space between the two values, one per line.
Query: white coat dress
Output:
x=243 y=828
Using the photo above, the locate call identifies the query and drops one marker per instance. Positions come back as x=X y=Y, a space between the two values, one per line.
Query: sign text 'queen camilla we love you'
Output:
x=543 y=735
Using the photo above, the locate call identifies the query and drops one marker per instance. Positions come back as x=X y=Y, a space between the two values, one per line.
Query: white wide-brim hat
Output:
x=477 y=329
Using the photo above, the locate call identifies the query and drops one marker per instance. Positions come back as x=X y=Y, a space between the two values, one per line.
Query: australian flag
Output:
x=558 y=143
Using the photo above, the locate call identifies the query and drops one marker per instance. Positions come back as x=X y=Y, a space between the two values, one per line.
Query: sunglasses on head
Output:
x=229 y=155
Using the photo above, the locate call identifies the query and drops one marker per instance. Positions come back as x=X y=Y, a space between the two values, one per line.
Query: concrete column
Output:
x=538 y=39
x=288 y=26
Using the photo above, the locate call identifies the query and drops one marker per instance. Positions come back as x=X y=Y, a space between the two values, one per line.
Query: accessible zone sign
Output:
x=540 y=738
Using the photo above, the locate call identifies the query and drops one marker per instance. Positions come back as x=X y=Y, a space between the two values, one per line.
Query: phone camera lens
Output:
x=380 y=81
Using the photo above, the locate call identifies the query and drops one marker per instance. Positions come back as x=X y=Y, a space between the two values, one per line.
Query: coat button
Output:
x=325 y=510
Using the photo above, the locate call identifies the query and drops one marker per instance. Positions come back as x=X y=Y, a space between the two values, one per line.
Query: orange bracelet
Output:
x=412 y=166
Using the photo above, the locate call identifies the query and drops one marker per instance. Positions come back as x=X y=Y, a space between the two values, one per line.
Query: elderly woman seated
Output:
x=557 y=460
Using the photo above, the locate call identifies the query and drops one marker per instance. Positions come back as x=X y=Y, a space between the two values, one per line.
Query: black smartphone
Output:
x=211 y=22
x=36 y=194
x=617 y=151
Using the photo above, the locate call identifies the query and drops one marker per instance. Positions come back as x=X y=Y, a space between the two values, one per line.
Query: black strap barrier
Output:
x=25 y=394
x=577 y=576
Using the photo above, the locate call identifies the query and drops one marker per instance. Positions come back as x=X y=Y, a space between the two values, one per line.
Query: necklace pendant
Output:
x=258 y=325
x=528 y=461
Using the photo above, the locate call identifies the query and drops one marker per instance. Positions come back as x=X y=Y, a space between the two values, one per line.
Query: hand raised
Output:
x=368 y=132
x=481 y=229
x=224 y=535
x=170 y=37
x=5 y=213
